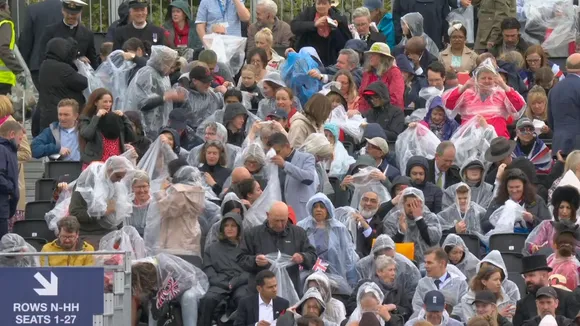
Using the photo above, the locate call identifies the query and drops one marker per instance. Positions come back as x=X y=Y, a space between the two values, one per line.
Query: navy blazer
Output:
x=564 y=114
x=248 y=312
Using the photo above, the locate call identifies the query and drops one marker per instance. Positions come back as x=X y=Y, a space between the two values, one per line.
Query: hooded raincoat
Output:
x=334 y=243
x=374 y=290
x=341 y=160
x=414 y=21
x=222 y=135
x=481 y=192
x=431 y=193
x=199 y=105
x=291 y=316
x=446 y=128
x=450 y=216
x=12 y=243
x=424 y=232
x=510 y=288
x=171 y=32
x=468 y=263
x=335 y=311
x=155 y=163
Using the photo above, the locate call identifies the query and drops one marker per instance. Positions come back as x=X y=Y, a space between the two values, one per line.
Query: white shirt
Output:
x=266 y=311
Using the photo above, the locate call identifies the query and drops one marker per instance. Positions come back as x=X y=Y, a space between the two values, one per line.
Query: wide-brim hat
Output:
x=499 y=149
x=535 y=263
x=380 y=48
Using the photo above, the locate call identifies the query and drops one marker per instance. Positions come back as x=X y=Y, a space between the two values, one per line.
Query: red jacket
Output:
x=395 y=83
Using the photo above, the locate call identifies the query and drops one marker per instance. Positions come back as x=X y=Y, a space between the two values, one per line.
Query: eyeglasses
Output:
x=67 y=237
x=525 y=130
x=533 y=60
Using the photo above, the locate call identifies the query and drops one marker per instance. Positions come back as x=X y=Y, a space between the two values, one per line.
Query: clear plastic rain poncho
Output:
x=155 y=163
x=391 y=224
x=93 y=82
x=465 y=17
x=300 y=307
x=333 y=244
x=453 y=290
x=414 y=21
x=218 y=116
x=253 y=152
x=481 y=194
x=199 y=105
x=294 y=72
x=335 y=311
x=350 y=126
x=418 y=141
x=13 y=243
x=471 y=141
x=256 y=215
x=363 y=183
x=367 y=288
x=505 y=219
x=60 y=209
x=222 y=135
x=341 y=160
x=173 y=220
x=95 y=186
x=114 y=75
x=509 y=287
x=150 y=82
x=212 y=235
x=450 y=216
x=318 y=145
x=346 y=216
x=465 y=310
x=407 y=273
x=543 y=237
x=552 y=24
x=127 y=239
x=191 y=176
x=230 y=50
x=23 y=96
x=268 y=105
x=468 y=262
x=278 y=264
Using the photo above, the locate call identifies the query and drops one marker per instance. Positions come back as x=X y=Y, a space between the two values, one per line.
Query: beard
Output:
x=532 y=288
x=368 y=213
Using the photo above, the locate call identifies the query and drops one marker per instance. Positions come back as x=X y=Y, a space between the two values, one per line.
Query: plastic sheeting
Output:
x=504 y=219
x=367 y=288
x=542 y=236
x=86 y=70
x=471 y=141
x=148 y=83
x=23 y=95
x=465 y=16
x=350 y=126
x=335 y=311
x=551 y=23
x=222 y=135
x=294 y=72
x=13 y=243
x=155 y=163
x=468 y=263
x=414 y=21
x=59 y=210
x=218 y=116
x=363 y=182
x=200 y=105
x=450 y=216
x=481 y=194
x=114 y=75
x=346 y=215
x=391 y=224
x=95 y=186
x=278 y=264
x=127 y=239
x=230 y=50
x=418 y=141
x=256 y=214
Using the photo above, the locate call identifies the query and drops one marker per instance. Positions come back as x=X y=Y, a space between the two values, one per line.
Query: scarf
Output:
x=181 y=35
x=324 y=29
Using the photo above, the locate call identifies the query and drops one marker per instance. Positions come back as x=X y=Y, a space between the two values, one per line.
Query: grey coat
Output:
x=300 y=182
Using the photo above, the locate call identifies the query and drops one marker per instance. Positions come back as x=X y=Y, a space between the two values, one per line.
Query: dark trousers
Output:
x=5 y=89
x=3 y=226
x=210 y=301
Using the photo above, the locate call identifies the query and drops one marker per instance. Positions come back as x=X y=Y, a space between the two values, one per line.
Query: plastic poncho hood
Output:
x=467 y=264
x=510 y=288
x=414 y=21
x=471 y=216
x=311 y=293
x=367 y=288
x=13 y=243
x=127 y=239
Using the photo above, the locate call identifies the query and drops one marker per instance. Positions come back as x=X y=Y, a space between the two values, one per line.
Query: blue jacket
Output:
x=9 y=194
x=47 y=142
x=564 y=119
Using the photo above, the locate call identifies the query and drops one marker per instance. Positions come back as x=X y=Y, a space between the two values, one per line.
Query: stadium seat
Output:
x=513 y=262
x=37 y=209
x=37 y=243
x=59 y=169
x=349 y=147
x=508 y=242
x=192 y=259
x=520 y=282
x=43 y=189
x=472 y=242
x=33 y=229
x=340 y=196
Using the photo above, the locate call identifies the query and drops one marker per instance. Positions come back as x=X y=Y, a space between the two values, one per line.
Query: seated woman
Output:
x=487 y=95
x=330 y=238
x=285 y=102
x=514 y=185
x=485 y=303
x=530 y=146
x=535 y=58
x=13 y=243
x=230 y=204
x=460 y=256
x=537 y=109
x=395 y=296
x=159 y=280
x=248 y=191
x=489 y=278
x=495 y=260
x=213 y=131
x=259 y=59
x=464 y=216
x=348 y=88
x=472 y=173
x=369 y=297
x=264 y=40
x=269 y=86
x=565 y=203
x=437 y=120
x=226 y=278
x=213 y=160
x=140 y=187
x=335 y=311
x=316 y=112
x=563 y=261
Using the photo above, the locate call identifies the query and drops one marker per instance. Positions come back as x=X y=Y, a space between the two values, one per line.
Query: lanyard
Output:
x=222 y=9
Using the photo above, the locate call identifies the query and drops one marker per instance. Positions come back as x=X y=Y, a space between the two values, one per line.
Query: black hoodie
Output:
x=433 y=195
x=176 y=139
x=230 y=112
x=389 y=117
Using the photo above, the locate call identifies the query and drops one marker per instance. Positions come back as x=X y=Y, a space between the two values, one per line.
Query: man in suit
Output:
x=442 y=172
x=297 y=174
x=39 y=16
x=565 y=96
x=263 y=308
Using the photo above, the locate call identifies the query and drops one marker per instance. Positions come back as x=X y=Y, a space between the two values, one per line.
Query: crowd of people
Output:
x=329 y=170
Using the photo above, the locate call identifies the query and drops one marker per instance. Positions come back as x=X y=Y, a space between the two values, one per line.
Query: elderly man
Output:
x=266 y=11
x=510 y=38
x=370 y=224
x=139 y=27
x=378 y=148
x=68 y=240
x=61 y=137
x=361 y=19
x=442 y=172
x=348 y=59
x=276 y=235
x=228 y=14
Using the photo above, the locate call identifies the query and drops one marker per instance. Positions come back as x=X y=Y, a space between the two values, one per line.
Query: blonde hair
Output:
x=6 y=108
x=513 y=57
x=572 y=161
x=537 y=94
x=251 y=68
x=352 y=89
x=266 y=35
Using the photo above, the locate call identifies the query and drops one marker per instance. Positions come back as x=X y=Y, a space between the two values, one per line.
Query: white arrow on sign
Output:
x=50 y=288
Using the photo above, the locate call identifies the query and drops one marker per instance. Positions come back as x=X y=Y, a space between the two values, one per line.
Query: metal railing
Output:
x=117 y=302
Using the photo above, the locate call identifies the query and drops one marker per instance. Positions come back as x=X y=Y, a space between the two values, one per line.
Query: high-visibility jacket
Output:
x=6 y=75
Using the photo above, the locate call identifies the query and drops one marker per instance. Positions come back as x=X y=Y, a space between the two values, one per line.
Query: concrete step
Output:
x=33 y=170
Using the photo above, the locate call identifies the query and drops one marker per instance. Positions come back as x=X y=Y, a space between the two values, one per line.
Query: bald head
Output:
x=573 y=63
x=240 y=174
x=415 y=45
x=278 y=216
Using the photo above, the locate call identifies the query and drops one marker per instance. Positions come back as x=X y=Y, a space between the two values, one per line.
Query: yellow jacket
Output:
x=80 y=260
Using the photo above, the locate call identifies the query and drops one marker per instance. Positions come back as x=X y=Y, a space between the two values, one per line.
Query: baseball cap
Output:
x=138 y=4
x=434 y=301
x=200 y=73
x=278 y=114
x=177 y=119
x=524 y=122
x=547 y=291
x=485 y=296
x=379 y=142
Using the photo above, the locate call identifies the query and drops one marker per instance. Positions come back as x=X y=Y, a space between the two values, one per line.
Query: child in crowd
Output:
x=250 y=85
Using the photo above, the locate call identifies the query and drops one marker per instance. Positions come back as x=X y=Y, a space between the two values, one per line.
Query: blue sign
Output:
x=51 y=296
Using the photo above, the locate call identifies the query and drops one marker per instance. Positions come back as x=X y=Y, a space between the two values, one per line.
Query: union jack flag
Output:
x=168 y=292
x=320 y=265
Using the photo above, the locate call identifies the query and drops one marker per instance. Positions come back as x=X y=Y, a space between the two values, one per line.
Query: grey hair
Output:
x=140 y=175
x=383 y=262
x=443 y=146
x=270 y=5
x=352 y=55
x=385 y=64
x=361 y=12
